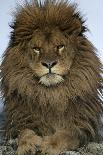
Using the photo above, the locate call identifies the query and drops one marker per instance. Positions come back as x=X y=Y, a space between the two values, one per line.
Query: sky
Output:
x=91 y=9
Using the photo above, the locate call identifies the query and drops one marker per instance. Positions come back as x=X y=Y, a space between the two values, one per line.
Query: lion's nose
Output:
x=49 y=64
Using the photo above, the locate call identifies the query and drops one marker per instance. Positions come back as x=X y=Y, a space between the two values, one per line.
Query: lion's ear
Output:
x=76 y=28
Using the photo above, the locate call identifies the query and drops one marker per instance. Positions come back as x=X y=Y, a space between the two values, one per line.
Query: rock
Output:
x=90 y=149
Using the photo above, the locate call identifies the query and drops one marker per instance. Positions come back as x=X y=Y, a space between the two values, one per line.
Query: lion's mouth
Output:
x=51 y=79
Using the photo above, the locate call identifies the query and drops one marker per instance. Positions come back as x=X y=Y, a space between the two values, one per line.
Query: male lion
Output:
x=51 y=80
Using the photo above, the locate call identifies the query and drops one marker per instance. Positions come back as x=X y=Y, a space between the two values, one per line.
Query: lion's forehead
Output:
x=52 y=37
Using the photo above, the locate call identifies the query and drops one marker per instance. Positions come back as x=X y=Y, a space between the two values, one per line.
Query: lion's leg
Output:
x=60 y=141
x=28 y=142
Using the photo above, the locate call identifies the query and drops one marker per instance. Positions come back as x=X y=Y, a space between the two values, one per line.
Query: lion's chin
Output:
x=51 y=79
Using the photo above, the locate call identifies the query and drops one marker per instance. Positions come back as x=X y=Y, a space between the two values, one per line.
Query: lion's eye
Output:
x=60 y=48
x=36 y=50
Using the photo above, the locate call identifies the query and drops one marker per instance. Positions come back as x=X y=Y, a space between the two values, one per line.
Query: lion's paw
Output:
x=28 y=142
x=51 y=146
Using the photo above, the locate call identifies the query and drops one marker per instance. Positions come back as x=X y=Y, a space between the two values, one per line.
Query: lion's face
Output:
x=50 y=56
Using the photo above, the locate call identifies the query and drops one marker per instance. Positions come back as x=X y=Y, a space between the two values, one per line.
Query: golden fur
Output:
x=70 y=99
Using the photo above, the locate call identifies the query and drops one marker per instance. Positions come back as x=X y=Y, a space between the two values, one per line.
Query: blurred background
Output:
x=91 y=9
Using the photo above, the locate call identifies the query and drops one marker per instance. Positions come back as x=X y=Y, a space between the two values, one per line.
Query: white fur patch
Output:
x=51 y=79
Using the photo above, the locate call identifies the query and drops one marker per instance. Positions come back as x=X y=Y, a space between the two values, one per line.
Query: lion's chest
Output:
x=49 y=118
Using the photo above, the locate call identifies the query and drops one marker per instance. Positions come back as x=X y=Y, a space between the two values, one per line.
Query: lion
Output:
x=51 y=80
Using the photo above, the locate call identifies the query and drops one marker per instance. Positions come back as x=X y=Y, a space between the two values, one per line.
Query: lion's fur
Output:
x=75 y=104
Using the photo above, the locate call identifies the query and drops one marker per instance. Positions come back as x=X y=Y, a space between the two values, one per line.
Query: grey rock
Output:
x=90 y=149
